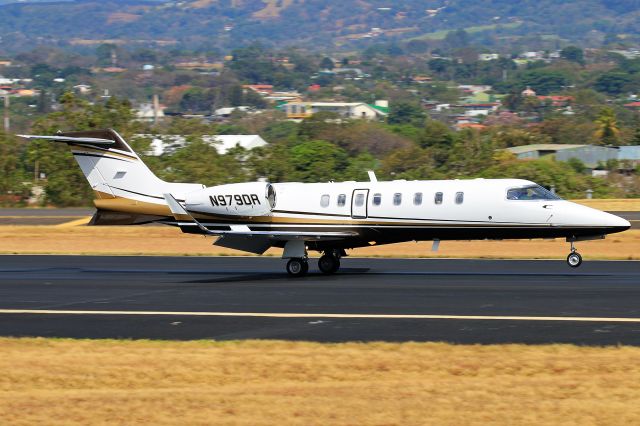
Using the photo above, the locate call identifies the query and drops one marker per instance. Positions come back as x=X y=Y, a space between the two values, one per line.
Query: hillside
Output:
x=327 y=23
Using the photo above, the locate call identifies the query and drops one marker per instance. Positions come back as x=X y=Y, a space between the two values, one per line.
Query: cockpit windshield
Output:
x=533 y=192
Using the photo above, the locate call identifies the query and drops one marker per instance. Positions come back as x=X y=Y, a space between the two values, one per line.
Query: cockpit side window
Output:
x=531 y=192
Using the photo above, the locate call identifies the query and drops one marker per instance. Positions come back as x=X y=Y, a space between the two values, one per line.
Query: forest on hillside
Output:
x=326 y=23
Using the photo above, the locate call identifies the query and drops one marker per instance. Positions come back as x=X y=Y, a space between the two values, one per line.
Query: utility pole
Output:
x=7 y=123
x=156 y=108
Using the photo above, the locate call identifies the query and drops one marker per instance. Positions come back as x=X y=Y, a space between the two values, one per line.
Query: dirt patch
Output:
x=122 y=18
x=72 y=382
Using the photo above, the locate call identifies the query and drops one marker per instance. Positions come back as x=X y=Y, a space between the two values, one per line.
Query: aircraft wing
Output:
x=243 y=231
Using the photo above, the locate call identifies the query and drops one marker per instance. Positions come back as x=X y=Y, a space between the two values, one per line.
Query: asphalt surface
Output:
x=460 y=301
x=17 y=216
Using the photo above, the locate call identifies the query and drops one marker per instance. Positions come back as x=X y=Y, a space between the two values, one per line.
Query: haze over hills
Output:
x=326 y=23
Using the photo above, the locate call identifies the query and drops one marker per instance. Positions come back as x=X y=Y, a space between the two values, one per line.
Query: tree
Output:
x=43 y=105
x=545 y=81
x=607 y=131
x=613 y=82
x=469 y=154
x=326 y=64
x=573 y=54
x=196 y=99
x=456 y=39
x=318 y=161
x=438 y=139
x=104 y=53
x=236 y=96
x=436 y=134
x=577 y=165
x=405 y=112
x=198 y=162
x=66 y=184
x=635 y=140
x=12 y=169
x=409 y=163
x=272 y=162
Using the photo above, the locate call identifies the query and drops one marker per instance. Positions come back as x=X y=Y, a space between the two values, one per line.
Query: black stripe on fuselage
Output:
x=140 y=193
x=395 y=234
x=418 y=219
x=242 y=219
x=311 y=213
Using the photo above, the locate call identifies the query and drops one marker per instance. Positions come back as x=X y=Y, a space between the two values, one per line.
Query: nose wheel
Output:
x=574 y=259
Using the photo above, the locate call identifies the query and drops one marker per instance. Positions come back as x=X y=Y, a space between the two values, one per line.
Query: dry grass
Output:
x=269 y=382
x=612 y=205
x=132 y=240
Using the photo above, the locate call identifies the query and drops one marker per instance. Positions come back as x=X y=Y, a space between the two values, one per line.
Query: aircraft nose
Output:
x=616 y=222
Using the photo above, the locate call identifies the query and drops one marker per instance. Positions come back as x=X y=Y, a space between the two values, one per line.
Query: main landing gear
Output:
x=298 y=264
x=574 y=259
x=329 y=262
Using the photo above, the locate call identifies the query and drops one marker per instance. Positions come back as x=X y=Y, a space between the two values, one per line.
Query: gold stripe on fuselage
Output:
x=128 y=205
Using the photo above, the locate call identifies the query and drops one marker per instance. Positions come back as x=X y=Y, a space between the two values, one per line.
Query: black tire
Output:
x=328 y=264
x=574 y=260
x=297 y=267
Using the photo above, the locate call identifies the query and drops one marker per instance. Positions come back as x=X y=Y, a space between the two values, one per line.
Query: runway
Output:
x=222 y=298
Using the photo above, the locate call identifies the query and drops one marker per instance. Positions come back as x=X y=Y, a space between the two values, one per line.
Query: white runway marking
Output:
x=318 y=315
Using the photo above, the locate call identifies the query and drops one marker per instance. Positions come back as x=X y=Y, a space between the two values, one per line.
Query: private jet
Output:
x=329 y=217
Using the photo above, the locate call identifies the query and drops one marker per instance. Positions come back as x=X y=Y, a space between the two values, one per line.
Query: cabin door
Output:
x=359 y=203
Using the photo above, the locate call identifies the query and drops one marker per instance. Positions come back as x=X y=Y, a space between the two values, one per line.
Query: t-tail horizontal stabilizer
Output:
x=70 y=139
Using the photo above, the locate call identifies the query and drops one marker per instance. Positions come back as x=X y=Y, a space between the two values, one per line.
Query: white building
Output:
x=227 y=111
x=345 y=109
x=488 y=56
x=168 y=144
x=146 y=112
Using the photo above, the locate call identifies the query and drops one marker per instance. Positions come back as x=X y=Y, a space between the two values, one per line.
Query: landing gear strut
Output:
x=329 y=262
x=574 y=259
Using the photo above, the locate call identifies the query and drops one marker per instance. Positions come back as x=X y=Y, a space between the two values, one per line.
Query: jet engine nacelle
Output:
x=236 y=199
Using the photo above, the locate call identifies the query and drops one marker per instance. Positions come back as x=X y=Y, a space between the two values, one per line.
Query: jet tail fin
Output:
x=120 y=180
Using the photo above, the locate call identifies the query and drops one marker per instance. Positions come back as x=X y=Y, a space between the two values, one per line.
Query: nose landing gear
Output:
x=574 y=259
